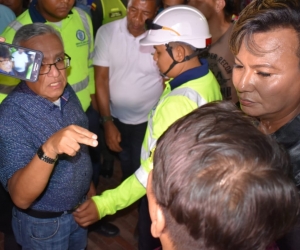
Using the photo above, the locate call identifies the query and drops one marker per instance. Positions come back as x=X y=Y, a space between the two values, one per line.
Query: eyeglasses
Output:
x=60 y=64
x=7 y=61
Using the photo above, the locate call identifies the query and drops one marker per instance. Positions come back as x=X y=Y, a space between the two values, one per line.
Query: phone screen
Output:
x=20 y=62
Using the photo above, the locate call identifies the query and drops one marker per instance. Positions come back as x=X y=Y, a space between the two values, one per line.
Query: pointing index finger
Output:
x=84 y=136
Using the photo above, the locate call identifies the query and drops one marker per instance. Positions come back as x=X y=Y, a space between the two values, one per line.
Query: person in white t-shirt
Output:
x=20 y=62
x=128 y=83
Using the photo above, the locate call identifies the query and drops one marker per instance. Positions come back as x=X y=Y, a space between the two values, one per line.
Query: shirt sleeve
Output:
x=110 y=201
x=173 y=108
x=101 y=55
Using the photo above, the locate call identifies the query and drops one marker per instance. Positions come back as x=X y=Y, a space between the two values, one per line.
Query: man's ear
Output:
x=158 y=222
x=179 y=53
x=220 y=5
x=156 y=214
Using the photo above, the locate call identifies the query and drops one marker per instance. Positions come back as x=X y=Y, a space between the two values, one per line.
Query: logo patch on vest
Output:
x=115 y=14
x=80 y=35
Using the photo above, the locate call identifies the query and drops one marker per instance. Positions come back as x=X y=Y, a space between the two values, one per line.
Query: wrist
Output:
x=46 y=157
x=48 y=150
x=107 y=119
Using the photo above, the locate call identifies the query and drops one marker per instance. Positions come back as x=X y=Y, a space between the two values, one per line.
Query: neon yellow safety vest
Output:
x=173 y=104
x=112 y=10
x=77 y=34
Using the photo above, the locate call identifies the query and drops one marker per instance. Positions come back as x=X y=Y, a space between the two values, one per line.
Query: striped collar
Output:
x=190 y=74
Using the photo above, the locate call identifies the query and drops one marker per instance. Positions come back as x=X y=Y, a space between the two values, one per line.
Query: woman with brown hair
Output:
x=266 y=44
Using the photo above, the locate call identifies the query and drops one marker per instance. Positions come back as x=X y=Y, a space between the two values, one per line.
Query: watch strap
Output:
x=41 y=154
x=106 y=119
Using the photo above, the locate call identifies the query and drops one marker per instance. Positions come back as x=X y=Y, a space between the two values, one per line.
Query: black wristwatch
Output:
x=106 y=119
x=40 y=153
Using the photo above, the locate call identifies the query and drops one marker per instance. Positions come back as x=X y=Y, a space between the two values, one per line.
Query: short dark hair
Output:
x=28 y=31
x=263 y=16
x=220 y=182
x=4 y=51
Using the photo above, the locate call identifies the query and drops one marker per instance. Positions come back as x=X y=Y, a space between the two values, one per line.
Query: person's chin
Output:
x=62 y=13
x=253 y=110
x=56 y=93
x=136 y=30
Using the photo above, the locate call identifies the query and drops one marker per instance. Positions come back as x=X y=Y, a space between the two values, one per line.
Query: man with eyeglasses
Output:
x=76 y=30
x=45 y=164
x=6 y=63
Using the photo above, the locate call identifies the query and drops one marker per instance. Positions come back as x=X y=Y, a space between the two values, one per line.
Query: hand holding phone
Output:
x=20 y=62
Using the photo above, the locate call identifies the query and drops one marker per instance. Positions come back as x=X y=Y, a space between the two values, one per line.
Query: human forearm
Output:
x=102 y=90
x=112 y=134
x=29 y=182
x=119 y=198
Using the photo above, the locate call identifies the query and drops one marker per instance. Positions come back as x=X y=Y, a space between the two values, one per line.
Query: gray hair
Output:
x=29 y=31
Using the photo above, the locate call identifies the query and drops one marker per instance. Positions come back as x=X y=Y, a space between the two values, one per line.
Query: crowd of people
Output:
x=201 y=110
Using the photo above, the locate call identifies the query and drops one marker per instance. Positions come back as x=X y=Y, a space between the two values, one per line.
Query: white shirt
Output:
x=20 y=61
x=134 y=81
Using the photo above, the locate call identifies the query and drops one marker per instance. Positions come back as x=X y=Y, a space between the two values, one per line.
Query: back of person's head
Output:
x=32 y=30
x=4 y=51
x=221 y=183
x=262 y=16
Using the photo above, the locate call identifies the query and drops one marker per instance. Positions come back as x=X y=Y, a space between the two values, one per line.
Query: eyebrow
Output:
x=257 y=65
x=62 y=53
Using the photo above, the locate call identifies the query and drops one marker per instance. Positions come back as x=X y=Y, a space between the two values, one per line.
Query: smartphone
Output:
x=20 y=62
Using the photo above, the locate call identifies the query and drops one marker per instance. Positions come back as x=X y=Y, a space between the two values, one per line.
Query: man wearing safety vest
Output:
x=179 y=35
x=106 y=11
x=76 y=30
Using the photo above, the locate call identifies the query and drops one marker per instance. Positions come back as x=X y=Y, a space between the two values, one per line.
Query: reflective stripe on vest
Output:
x=141 y=174
x=80 y=85
x=86 y=26
x=112 y=10
x=4 y=89
x=15 y=25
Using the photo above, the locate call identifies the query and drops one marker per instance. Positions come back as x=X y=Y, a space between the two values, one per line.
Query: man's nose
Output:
x=53 y=71
x=155 y=56
x=138 y=17
x=243 y=81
